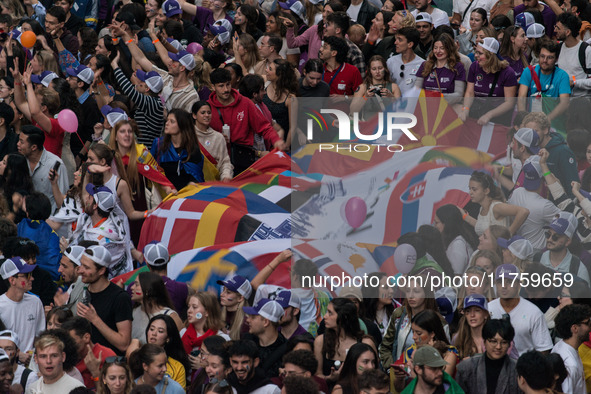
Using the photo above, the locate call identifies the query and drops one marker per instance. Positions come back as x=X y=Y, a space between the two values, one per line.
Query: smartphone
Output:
x=195 y=353
x=56 y=166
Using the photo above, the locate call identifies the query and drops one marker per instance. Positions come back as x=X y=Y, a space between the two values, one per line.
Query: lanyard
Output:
x=335 y=74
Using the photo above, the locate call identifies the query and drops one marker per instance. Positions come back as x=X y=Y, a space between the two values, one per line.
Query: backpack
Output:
x=582 y=57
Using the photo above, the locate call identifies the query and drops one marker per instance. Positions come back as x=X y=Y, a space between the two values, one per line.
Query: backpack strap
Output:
x=25 y=377
x=535 y=77
x=575 y=263
x=583 y=57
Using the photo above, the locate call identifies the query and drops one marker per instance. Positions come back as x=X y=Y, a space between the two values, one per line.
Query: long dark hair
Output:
x=347 y=323
x=487 y=182
x=451 y=217
x=104 y=62
x=349 y=376
x=154 y=291
x=187 y=129
x=174 y=345
x=435 y=247
x=16 y=175
x=252 y=16
x=67 y=96
x=286 y=78
x=371 y=297
x=430 y=321
x=89 y=42
x=144 y=355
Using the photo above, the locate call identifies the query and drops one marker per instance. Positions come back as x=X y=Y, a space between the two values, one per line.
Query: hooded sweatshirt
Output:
x=562 y=162
x=243 y=118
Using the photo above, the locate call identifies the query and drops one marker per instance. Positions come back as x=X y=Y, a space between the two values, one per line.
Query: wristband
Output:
x=129 y=42
x=466 y=108
x=465 y=216
x=371 y=42
x=547 y=173
x=18 y=83
x=145 y=214
x=95 y=379
x=155 y=41
x=502 y=169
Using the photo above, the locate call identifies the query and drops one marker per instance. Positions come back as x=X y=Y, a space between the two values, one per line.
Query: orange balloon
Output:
x=28 y=39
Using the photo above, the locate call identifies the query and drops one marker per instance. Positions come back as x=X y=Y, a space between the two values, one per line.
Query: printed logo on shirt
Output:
x=444 y=79
x=479 y=77
x=31 y=317
x=240 y=116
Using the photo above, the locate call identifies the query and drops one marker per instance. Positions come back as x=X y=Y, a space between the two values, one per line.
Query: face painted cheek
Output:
x=23 y=283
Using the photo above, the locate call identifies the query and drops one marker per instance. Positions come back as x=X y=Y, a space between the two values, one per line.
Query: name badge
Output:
x=341 y=86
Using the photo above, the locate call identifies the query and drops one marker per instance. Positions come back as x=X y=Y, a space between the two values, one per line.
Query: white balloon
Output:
x=405 y=258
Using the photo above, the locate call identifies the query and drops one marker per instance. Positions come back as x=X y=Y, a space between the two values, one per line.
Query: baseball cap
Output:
x=171 y=8
x=15 y=266
x=266 y=308
x=447 y=302
x=10 y=336
x=490 y=44
x=175 y=43
x=429 y=356
x=507 y=271
x=566 y=223
x=529 y=138
x=585 y=194
x=83 y=73
x=287 y=298
x=296 y=6
x=103 y=196
x=99 y=254
x=524 y=20
x=351 y=292
x=535 y=30
x=156 y=254
x=476 y=300
x=522 y=249
x=504 y=242
x=532 y=172
x=423 y=17
x=74 y=253
x=127 y=18
x=224 y=23
x=113 y=115
x=183 y=57
x=238 y=284
x=221 y=33
x=44 y=78
x=3 y=355
x=151 y=78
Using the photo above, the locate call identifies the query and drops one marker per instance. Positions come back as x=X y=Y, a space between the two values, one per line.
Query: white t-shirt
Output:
x=353 y=11
x=439 y=17
x=62 y=386
x=26 y=318
x=267 y=389
x=458 y=253
x=531 y=330
x=569 y=62
x=406 y=81
x=541 y=213
x=575 y=381
x=460 y=7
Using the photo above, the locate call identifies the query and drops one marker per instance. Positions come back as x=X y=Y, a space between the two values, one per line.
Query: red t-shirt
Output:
x=81 y=366
x=344 y=80
x=54 y=140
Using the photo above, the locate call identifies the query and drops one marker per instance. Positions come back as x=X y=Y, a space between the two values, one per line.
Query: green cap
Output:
x=429 y=356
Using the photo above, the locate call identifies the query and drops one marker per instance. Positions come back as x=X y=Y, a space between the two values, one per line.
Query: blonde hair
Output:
x=133 y=178
x=464 y=341
x=493 y=64
x=211 y=305
x=538 y=118
x=47 y=59
x=201 y=73
x=407 y=19
x=238 y=319
x=45 y=341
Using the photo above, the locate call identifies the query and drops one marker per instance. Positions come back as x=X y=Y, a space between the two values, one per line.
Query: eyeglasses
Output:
x=115 y=359
x=222 y=383
x=28 y=276
x=202 y=354
x=555 y=237
x=293 y=373
x=586 y=322
x=564 y=295
x=496 y=343
x=402 y=71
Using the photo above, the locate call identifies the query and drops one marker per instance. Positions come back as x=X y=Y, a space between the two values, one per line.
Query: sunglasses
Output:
x=402 y=71
x=115 y=359
x=555 y=237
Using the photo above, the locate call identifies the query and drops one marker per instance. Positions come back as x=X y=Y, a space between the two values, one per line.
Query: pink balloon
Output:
x=193 y=48
x=355 y=212
x=68 y=120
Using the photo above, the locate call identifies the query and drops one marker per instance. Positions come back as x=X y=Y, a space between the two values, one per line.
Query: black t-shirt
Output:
x=321 y=90
x=74 y=23
x=271 y=356
x=113 y=305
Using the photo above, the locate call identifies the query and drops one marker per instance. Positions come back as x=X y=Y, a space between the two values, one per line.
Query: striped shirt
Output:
x=149 y=112
x=182 y=98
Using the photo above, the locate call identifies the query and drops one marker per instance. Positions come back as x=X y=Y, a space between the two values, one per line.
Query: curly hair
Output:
x=452 y=55
x=347 y=323
x=286 y=78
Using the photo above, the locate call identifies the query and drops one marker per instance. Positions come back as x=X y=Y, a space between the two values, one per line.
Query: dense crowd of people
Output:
x=171 y=93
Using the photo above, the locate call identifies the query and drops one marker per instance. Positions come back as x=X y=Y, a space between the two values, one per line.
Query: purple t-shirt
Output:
x=178 y=292
x=548 y=17
x=517 y=66
x=299 y=331
x=483 y=81
x=446 y=77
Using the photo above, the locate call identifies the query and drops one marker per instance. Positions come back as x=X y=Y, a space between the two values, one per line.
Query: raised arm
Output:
x=19 y=93
x=135 y=51
x=34 y=105
x=264 y=274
